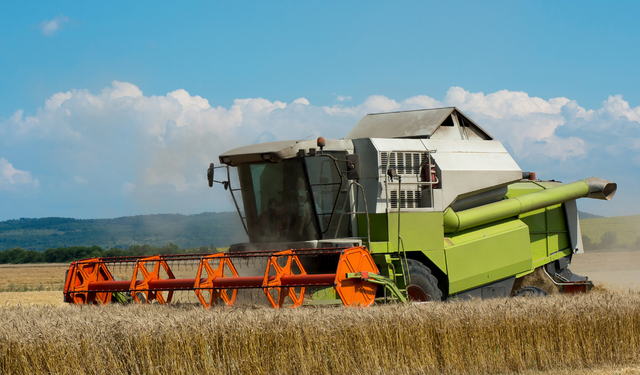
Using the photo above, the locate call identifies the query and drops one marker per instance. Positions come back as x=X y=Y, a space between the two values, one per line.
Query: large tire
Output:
x=423 y=285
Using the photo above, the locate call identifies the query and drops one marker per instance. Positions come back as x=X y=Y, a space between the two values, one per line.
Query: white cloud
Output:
x=49 y=27
x=303 y=101
x=156 y=149
x=503 y=103
x=144 y=143
x=527 y=123
x=342 y=98
x=374 y=103
x=11 y=178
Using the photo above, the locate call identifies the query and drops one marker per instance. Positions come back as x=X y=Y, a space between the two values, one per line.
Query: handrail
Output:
x=429 y=163
x=231 y=190
x=366 y=208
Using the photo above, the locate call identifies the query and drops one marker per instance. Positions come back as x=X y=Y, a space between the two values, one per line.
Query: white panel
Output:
x=469 y=167
x=472 y=135
x=466 y=146
x=447 y=132
x=398 y=144
x=575 y=237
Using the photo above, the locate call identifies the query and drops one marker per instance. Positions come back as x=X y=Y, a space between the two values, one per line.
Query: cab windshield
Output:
x=282 y=204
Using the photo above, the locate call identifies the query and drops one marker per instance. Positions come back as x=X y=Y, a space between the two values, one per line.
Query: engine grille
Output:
x=403 y=162
x=408 y=198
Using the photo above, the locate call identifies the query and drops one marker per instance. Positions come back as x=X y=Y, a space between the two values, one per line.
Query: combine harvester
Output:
x=418 y=205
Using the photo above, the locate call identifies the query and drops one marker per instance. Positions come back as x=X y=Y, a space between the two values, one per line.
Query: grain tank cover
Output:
x=438 y=123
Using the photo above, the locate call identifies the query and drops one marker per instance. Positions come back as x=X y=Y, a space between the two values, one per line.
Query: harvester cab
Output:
x=415 y=205
x=293 y=193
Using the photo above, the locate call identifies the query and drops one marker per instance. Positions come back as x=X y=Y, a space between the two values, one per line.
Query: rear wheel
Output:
x=423 y=285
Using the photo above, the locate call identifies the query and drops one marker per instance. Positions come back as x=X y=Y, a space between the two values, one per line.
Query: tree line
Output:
x=608 y=241
x=69 y=254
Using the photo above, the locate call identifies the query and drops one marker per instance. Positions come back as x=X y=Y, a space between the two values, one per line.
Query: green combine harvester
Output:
x=410 y=206
x=444 y=210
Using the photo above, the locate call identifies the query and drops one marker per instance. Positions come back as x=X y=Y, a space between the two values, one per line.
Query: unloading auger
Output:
x=284 y=281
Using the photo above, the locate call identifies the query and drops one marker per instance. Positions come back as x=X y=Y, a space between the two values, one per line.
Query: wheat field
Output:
x=598 y=333
x=32 y=277
x=517 y=335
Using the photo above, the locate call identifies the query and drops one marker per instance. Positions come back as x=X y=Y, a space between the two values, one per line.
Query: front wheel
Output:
x=423 y=285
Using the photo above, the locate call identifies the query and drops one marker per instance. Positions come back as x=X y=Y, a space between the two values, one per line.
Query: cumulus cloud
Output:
x=342 y=98
x=11 y=178
x=49 y=27
x=527 y=123
x=303 y=101
x=152 y=149
x=562 y=140
x=155 y=149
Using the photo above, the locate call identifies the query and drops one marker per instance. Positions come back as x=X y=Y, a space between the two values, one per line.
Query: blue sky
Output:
x=113 y=109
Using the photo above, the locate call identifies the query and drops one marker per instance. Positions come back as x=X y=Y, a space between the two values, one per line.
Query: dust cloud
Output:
x=612 y=269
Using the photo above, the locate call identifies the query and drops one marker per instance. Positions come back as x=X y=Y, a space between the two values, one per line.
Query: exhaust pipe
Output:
x=593 y=187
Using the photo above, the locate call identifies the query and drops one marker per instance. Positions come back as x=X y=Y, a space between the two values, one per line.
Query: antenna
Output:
x=300 y=140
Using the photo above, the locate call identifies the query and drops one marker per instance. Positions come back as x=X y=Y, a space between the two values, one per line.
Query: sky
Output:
x=116 y=109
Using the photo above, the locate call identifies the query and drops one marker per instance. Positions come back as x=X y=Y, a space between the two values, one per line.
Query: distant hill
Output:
x=220 y=229
x=618 y=231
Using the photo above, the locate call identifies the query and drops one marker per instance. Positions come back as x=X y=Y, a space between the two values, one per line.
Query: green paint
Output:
x=536 y=220
x=551 y=258
x=539 y=246
x=438 y=258
x=324 y=293
x=514 y=206
x=527 y=187
x=390 y=266
x=378 y=226
x=483 y=244
x=547 y=226
x=487 y=253
x=386 y=266
x=419 y=230
x=380 y=280
x=378 y=247
x=546 y=260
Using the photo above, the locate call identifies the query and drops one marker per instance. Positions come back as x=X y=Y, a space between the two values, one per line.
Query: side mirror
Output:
x=210 y=174
x=353 y=167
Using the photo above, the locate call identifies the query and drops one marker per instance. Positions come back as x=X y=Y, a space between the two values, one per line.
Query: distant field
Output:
x=22 y=277
x=45 y=298
x=626 y=228
x=44 y=282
